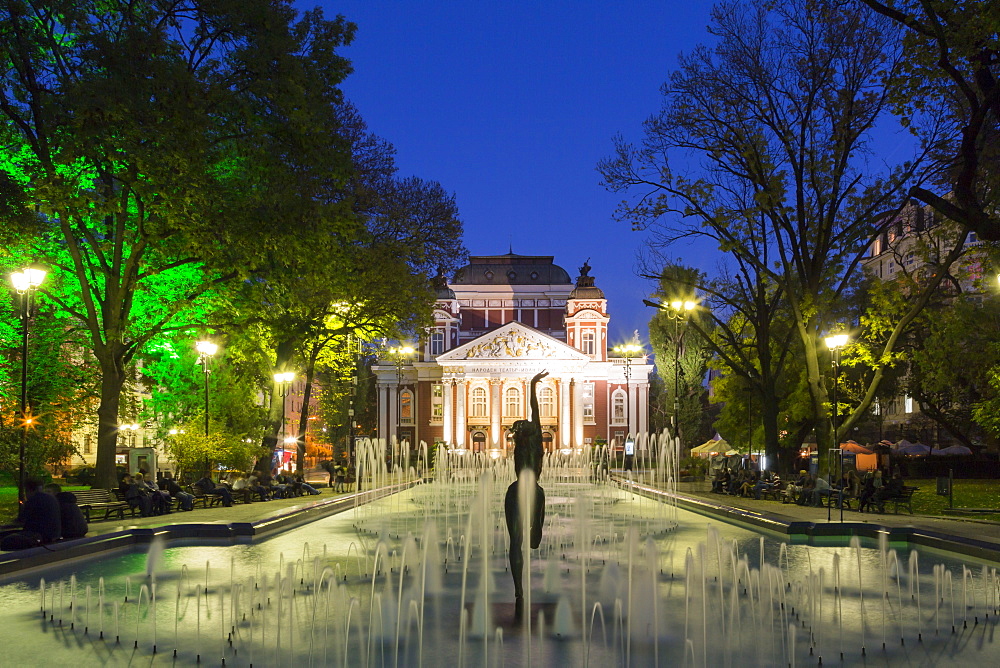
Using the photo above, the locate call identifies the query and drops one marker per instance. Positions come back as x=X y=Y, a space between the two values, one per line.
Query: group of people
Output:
x=267 y=487
x=48 y=514
x=152 y=499
x=745 y=482
x=809 y=489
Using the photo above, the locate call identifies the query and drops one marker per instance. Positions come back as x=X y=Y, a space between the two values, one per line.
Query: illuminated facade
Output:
x=502 y=320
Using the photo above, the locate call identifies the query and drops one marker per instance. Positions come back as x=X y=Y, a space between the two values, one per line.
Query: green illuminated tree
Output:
x=166 y=147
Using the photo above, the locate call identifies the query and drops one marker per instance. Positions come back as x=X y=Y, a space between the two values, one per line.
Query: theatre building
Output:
x=503 y=319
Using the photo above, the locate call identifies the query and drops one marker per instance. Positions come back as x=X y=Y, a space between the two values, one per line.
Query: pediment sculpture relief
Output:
x=512 y=344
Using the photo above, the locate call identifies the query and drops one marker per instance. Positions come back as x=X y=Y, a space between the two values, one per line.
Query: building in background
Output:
x=503 y=319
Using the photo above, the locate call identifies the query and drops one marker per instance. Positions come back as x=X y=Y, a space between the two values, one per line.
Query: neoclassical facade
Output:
x=501 y=320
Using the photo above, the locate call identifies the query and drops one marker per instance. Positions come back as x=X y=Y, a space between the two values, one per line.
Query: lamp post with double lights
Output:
x=835 y=343
x=206 y=350
x=130 y=429
x=678 y=311
x=628 y=351
x=283 y=383
x=25 y=283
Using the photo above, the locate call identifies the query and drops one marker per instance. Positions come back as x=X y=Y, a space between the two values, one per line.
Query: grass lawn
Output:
x=8 y=501
x=966 y=493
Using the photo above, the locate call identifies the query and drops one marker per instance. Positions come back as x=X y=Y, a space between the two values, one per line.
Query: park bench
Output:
x=96 y=500
x=904 y=498
x=206 y=500
x=120 y=495
x=774 y=492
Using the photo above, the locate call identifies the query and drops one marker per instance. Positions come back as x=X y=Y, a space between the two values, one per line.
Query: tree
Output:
x=158 y=143
x=60 y=387
x=951 y=73
x=779 y=115
x=374 y=283
x=673 y=343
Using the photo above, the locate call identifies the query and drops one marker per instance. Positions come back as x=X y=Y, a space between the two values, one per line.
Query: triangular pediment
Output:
x=513 y=341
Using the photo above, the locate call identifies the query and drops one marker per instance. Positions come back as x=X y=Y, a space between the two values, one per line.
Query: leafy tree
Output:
x=951 y=78
x=374 y=283
x=61 y=387
x=779 y=115
x=158 y=143
x=672 y=342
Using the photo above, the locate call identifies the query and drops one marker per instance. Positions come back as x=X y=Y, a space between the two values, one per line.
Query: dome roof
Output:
x=511 y=269
x=586 y=292
x=440 y=285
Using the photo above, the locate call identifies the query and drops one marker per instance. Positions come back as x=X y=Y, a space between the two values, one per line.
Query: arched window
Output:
x=478 y=402
x=437 y=342
x=512 y=402
x=618 y=407
x=478 y=441
x=547 y=441
x=547 y=402
x=406 y=407
x=587 y=343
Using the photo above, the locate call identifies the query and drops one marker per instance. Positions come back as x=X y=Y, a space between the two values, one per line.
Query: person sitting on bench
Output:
x=208 y=486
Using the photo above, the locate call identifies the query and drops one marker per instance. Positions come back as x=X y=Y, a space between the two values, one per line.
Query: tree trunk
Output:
x=105 y=475
x=275 y=413
x=304 y=415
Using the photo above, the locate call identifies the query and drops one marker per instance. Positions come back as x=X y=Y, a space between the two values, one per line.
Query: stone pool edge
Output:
x=22 y=562
x=816 y=533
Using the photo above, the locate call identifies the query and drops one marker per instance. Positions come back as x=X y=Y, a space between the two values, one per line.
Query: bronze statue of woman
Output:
x=527 y=456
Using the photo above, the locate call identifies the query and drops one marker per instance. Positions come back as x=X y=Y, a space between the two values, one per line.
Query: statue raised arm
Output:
x=528 y=455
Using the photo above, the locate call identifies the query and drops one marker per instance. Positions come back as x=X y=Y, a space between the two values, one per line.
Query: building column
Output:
x=461 y=422
x=496 y=411
x=393 y=430
x=577 y=414
x=447 y=417
x=564 y=414
x=383 y=411
x=643 y=408
x=633 y=408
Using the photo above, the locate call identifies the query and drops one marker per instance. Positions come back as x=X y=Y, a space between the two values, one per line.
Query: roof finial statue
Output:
x=585 y=269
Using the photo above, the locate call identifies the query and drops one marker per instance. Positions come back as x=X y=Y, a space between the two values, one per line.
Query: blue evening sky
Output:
x=510 y=105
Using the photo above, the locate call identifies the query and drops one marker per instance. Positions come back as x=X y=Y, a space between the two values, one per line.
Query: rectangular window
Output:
x=908 y=404
x=88 y=447
x=588 y=403
x=437 y=403
x=437 y=343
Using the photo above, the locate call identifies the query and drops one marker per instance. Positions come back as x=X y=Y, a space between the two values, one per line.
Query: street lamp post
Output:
x=835 y=343
x=678 y=311
x=283 y=382
x=25 y=282
x=206 y=349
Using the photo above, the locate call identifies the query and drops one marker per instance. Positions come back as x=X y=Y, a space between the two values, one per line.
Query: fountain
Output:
x=420 y=577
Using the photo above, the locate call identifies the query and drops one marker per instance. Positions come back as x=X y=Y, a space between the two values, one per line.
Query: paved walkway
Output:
x=238 y=512
x=977 y=537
